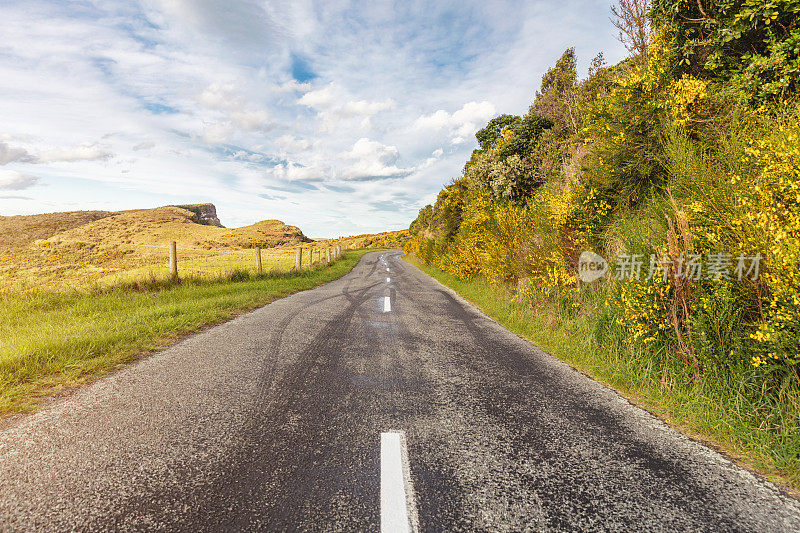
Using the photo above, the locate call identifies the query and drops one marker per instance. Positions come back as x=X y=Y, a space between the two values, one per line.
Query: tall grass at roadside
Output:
x=61 y=339
x=728 y=408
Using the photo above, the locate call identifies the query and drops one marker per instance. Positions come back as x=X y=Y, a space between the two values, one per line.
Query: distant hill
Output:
x=195 y=225
x=21 y=230
x=188 y=225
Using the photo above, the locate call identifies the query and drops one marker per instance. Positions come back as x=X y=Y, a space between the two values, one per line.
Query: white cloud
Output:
x=295 y=172
x=221 y=97
x=292 y=85
x=217 y=132
x=11 y=180
x=19 y=137
x=248 y=156
x=364 y=108
x=434 y=121
x=9 y=154
x=473 y=112
x=372 y=161
x=438 y=153
x=327 y=102
x=253 y=120
x=234 y=113
x=83 y=152
x=143 y=146
x=460 y=125
x=288 y=144
x=320 y=99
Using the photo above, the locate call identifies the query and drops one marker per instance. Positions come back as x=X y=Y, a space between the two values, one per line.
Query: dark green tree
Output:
x=492 y=131
x=556 y=100
x=526 y=134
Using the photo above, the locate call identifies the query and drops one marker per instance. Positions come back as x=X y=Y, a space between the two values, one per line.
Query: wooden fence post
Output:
x=328 y=255
x=173 y=260
x=259 y=269
x=310 y=258
x=298 y=258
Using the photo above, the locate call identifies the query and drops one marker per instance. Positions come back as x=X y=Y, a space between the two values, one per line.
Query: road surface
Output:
x=381 y=397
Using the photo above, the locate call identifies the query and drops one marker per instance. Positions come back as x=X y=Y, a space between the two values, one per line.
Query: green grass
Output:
x=50 y=341
x=760 y=431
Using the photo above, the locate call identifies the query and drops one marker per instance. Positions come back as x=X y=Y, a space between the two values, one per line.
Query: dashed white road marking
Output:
x=388 y=280
x=387 y=304
x=398 y=508
x=387 y=269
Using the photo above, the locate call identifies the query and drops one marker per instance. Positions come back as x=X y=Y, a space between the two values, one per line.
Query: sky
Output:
x=335 y=116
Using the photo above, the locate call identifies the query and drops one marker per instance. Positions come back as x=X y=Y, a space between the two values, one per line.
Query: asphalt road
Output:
x=274 y=421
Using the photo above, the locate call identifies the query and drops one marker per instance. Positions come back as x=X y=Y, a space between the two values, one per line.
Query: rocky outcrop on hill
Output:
x=205 y=214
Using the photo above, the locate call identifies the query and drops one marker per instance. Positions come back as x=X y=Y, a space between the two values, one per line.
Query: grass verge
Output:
x=758 y=432
x=51 y=341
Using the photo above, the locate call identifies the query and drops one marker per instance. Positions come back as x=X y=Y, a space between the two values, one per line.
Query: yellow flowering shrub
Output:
x=683 y=98
x=772 y=217
x=505 y=138
x=680 y=98
x=755 y=209
x=642 y=308
x=492 y=240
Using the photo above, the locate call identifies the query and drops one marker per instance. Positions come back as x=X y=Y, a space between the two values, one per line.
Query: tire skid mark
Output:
x=269 y=385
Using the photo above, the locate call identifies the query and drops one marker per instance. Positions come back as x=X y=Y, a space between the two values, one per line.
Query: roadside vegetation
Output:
x=681 y=166
x=51 y=340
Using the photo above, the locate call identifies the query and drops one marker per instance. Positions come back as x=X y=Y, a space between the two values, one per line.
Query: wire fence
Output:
x=131 y=263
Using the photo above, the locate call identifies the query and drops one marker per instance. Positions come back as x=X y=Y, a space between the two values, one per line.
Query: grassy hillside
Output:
x=21 y=230
x=60 y=251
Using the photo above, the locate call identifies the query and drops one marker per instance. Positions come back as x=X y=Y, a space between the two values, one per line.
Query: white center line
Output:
x=398 y=509
x=387 y=304
x=388 y=280
x=387 y=269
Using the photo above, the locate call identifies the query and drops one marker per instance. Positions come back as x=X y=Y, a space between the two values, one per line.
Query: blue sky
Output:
x=338 y=117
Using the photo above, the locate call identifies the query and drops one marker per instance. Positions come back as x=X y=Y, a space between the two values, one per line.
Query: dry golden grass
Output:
x=21 y=230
